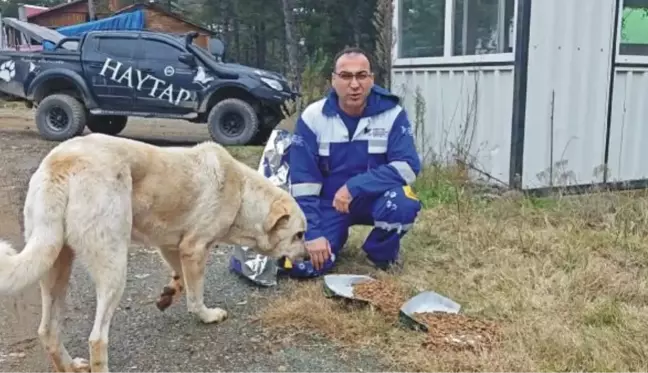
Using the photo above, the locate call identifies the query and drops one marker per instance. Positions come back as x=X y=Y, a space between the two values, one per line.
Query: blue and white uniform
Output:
x=374 y=155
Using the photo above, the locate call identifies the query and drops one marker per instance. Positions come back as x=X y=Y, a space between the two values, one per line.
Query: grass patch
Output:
x=564 y=277
x=249 y=155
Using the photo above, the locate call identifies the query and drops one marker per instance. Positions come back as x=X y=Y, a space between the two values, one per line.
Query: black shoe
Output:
x=388 y=266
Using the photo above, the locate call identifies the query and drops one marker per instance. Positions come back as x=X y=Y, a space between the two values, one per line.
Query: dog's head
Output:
x=283 y=226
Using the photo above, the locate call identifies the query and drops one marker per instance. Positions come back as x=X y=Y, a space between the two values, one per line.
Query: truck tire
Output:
x=232 y=122
x=60 y=117
x=107 y=124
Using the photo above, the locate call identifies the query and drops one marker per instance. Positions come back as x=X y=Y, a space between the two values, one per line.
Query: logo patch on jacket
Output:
x=407 y=130
x=377 y=132
x=297 y=140
x=409 y=192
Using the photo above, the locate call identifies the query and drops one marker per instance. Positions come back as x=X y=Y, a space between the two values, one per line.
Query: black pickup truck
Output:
x=102 y=78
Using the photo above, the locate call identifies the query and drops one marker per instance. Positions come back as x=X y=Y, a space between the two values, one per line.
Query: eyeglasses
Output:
x=360 y=76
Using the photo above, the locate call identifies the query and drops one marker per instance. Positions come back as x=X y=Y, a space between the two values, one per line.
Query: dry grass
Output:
x=249 y=155
x=565 y=278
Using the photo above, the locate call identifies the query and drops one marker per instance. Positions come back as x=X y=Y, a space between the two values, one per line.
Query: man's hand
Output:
x=319 y=250
x=342 y=200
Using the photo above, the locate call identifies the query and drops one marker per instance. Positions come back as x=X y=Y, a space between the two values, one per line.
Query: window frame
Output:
x=97 y=46
x=633 y=59
x=448 y=34
x=158 y=40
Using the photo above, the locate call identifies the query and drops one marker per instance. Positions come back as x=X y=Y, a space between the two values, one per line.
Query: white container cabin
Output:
x=533 y=94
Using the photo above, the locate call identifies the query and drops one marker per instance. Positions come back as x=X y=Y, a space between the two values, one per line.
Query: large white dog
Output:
x=92 y=195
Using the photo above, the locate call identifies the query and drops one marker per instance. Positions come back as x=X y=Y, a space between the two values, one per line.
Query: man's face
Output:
x=352 y=79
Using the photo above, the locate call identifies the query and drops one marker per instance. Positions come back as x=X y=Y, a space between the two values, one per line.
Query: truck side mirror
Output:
x=188 y=59
x=216 y=47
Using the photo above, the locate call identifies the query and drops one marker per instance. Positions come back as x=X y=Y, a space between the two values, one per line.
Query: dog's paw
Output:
x=166 y=298
x=80 y=365
x=212 y=315
x=170 y=294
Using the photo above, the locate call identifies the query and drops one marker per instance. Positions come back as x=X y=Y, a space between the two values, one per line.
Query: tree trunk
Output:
x=291 y=44
x=92 y=14
x=262 y=45
x=382 y=21
x=226 y=10
x=237 y=38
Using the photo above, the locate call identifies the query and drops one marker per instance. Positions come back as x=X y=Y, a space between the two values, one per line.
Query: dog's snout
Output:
x=299 y=255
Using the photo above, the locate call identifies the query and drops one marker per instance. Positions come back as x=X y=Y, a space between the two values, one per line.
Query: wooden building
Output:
x=156 y=18
x=66 y=14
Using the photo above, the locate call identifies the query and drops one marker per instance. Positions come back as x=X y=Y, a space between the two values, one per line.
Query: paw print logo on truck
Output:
x=7 y=70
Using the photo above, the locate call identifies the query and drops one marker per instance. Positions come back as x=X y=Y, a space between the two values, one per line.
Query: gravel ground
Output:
x=143 y=338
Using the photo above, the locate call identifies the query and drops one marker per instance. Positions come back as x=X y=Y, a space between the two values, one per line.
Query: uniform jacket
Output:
x=379 y=156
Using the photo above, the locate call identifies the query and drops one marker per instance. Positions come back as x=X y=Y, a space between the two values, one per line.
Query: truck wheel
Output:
x=60 y=117
x=107 y=124
x=232 y=122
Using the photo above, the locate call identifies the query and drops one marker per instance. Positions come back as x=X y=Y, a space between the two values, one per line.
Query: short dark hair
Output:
x=352 y=50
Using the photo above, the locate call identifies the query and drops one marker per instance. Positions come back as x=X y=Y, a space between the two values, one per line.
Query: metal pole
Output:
x=22 y=15
x=464 y=28
x=2 y=33
x=502 y=28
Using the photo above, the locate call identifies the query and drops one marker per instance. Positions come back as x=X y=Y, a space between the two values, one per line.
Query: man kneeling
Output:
x=352 y=161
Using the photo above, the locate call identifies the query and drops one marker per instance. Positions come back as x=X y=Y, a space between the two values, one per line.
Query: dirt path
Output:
x=143 y=338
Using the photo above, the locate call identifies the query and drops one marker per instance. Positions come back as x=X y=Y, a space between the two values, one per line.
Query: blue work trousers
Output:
x=391 y=214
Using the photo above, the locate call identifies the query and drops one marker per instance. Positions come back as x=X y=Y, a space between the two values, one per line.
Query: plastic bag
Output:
x=244 y=261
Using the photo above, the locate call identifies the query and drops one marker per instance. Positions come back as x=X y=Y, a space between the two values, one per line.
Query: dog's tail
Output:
x=46 y=238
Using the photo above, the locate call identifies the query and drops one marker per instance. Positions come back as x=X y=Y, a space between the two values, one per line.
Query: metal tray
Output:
x=427 y=301
x=342 y=285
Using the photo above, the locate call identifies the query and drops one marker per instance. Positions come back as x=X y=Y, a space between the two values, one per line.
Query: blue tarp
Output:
x=127 y=21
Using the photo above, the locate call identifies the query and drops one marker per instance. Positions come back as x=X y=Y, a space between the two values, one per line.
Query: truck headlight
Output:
x=274 y=84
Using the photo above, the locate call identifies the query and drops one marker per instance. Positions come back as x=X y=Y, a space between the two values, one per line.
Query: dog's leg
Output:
x=53 y=291
x=109 y=274
x=104 y=250
x=99 y=228
x=172 y=292
x=193 y=255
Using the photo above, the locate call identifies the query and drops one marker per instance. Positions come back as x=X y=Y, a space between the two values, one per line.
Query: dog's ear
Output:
x=278 y=212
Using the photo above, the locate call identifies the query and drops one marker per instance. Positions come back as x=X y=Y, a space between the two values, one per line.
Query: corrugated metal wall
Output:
x=628 y=157
x=468 y=110
x=567 y=94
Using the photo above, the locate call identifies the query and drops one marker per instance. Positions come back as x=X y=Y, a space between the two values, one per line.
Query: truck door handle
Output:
x=146 y=70
x=96 y=64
